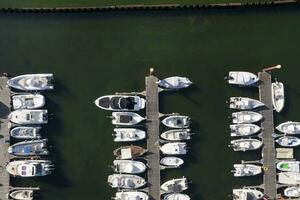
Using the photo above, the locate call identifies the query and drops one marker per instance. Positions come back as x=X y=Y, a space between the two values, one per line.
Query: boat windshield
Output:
x=114 y=102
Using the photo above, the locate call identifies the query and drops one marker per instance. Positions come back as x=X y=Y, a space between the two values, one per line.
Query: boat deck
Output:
x=267 y=126
x=4 y=137
x=152 y=124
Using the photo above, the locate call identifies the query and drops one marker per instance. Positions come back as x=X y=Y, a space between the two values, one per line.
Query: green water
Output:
x=97 y=54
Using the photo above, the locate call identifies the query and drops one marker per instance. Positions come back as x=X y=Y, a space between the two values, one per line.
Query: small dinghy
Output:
x=288 y=166
x=126 y=181
x=288 y=141
x=289 y=127
x=28 y=101
x=131 y=196
x=176 y=196
x=175 y=83
x=129 y=152
x=245 y=117
x=29 y=116
x=32 y=82
x=30 y=168
x=176 y=135
x=278 y=96
x=177 y=121
x=242 y=78
x=174 y=148
x=246 y=170
x=120 y=103
x=22 y=194
x=293 y=192
x=129 y=166
x=243 y=129
x=26 y=132
x=244 y=103
x=175 y=185
x=171 y=161
x=29 y=148
x=126 y=118
x=289 y=178
x=129 y=134
x=245 y=144
x=247 y=194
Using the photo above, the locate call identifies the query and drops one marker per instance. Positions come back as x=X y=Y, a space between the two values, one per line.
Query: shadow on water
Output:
x=60 y=89
x=3 y=110
x=193 y=155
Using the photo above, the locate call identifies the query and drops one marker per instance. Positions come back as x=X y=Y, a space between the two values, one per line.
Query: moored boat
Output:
x=29 y=148
x=175 y=185
x=247 y=194
x=22 y=193
x=126 y=118
x=32 y=82
x=288 y=141
x=174 y=148
x=132 y=195
x=293 y=192
x=242 y=78
x=288 y=166
x=243 y=117
x=244 y=103
x=120 y=103
x=30 y=168
x=129 y=134
x=289 y=127
x=129 y=152
x=126 y=181
x=289 y=178
x=176 y=196
x=245 y=144
x=176 y=135
x=129 y=166
x=171 y=161
x=244 y=129
x=25 y=116
x=25 y=132
x=28 y=101
x=174 y=83
x=246 y=170
x=177 y=121
x=278 y=95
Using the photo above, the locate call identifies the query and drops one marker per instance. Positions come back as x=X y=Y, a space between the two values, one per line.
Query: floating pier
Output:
x=152 y=125
x=267 y=125
x=4 y=137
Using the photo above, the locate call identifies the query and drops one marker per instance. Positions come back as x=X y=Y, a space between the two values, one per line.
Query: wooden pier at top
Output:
x=4 y=137
x=152 y=124
x=267 y=125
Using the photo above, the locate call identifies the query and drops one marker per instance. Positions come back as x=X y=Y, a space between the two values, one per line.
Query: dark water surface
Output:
x=97 y=54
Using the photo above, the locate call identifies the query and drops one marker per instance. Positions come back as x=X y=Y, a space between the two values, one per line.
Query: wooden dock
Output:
x=267 y=125
x=4 y=137
x=152 y=124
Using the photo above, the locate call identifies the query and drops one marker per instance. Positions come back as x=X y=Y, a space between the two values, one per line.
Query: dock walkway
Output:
x=152 y=124
x=4 y=137
x=267 y=125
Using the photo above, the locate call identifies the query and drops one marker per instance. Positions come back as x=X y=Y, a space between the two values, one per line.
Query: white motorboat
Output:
x=243 y=129
x=293 y=192
x=288 y=166
x=28 y=101
x=278 y=96
x=246 y=194
x=29 y=148
x=175 y=83
x=120 y=103
x=25 y=132
x=244 y=103
x=129 y=166
x=175 y=185
x=176 y=196
x=171 y=161
x=30 y=168
x=289 y=127
x=245 y=144
x=288 y=141
x=176 y=135
x=246 y=170
x=177 y=121
x=32 y=82
x=131 y=196
x=129 y=152
x=174 y=148
x=22 y=194
x=25 y=116
x=129 y=134
x=126 y=181
x=245 y=117
x=289 y=178
x=242 y=78
x=126 y=118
